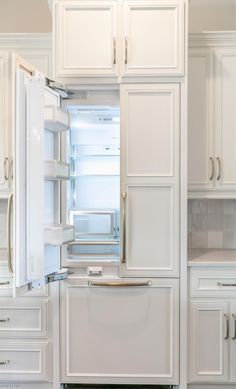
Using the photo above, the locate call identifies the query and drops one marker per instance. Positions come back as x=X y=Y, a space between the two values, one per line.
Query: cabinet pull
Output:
x=5 y=362
x=212 y=168
x=9 y=211
x=6 y=320
x=6 y=169
x=124 y=196
x=227 y=326
x=114 y=51
x=222 y=284
x=119 y=284
x=126 y=50
x=11 y=168
x=4 y=283
x=234 y=317
x=219 y=173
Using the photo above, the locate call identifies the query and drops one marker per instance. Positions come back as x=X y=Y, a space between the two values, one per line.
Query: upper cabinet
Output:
x=111 y=38
x=212 y=118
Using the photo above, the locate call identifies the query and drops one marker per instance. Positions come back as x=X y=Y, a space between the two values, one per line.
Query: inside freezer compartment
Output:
x=94 y=190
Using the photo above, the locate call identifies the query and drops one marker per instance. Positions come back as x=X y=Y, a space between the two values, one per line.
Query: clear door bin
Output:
x=55 y=119
x=55 y=170
x=58 y=234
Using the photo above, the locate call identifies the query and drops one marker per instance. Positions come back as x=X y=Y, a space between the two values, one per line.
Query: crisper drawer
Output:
x=123 y=329
x=213 y=282
x=20 y=318
x=24 y=362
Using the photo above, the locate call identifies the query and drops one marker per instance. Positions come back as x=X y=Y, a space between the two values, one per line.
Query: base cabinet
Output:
x=144 y=319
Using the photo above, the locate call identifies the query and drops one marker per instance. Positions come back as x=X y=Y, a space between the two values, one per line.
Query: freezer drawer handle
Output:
x=119 y=284
x=234 y=317
x=9 y=255
x=5 y=362
x=222 y=284
x=227 y=326
x=124 y=196
x=6 y=320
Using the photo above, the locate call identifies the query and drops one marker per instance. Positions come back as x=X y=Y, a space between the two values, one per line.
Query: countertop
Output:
x=211 y=257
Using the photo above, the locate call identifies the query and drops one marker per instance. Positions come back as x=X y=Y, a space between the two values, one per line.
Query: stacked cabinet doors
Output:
x=212 y=119
x=97 y=38
x=150 y=179
x=120 y=331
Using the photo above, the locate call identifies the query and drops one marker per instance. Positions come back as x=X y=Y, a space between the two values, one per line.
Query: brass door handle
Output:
x=124 y=196
x=6 y=169
x=219 y=172
x=114 y=51
x=212 y=168
x=126 y=50
x=119 y=283
x=234 y=317
x=9 y=255
x=227 y=326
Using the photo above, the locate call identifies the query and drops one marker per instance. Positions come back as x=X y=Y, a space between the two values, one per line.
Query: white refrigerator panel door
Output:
x=29 y=183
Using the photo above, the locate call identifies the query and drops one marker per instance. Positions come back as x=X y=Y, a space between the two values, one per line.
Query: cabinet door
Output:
x=125 y=334
x=4 y=127
x=86 y=38
x=153 y=37
x=225 y=118
x=200 y=121
x=233 y=342
x=150 y=179
x=209 y=341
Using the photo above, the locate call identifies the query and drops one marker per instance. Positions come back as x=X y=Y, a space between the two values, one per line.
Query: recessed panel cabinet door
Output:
x=153 y=37
x=209 y=342
x=4 y=133
x=225 y=120
x=120 y=334
x=86 y=38
x=150 y=180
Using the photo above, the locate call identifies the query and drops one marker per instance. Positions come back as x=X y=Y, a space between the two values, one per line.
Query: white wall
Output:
x=25 y=16
x=212 y=15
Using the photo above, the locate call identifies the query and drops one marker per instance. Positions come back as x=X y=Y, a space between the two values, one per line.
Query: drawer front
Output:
x=213 y=282
x=23 y=319
x=24 y=362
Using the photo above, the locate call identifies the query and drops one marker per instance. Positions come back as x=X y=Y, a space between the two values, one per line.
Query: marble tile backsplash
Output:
x=3 y=222
x=212 y=224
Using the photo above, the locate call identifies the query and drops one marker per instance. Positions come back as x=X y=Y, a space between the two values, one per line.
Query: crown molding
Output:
x=26 y=40
x=212 y=38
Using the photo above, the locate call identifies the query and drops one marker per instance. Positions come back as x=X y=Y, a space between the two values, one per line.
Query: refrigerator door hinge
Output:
x=60 y=276
x=59 y=88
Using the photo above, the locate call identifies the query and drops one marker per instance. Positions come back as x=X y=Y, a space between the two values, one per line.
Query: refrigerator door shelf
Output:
x=58 y=234
x=55 y=119
x=55 y=170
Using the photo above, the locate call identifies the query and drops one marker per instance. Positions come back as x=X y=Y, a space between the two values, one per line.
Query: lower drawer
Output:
x=213 y=282
x=24 y=362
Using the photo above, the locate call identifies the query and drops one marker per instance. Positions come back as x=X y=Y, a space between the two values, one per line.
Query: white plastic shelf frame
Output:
x=56 y=170
x=55 y=119
x=58 y=234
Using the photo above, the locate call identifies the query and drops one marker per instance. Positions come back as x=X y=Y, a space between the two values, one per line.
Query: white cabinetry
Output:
x=120 y=333
x=212 y=119
x=212 y=325
x=104 y=38
x=150 y=179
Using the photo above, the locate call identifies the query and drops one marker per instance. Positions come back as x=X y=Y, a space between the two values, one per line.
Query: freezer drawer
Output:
x=123 y=331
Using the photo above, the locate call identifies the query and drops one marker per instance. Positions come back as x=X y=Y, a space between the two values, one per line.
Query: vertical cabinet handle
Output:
x=126 y=50
x=114 y=51
x=9 y=211
x=212 y=168
x=227 y=326
x=234 y=318
x=219 y=172
x=6 y=169
x=124 y=196
x=11 y=168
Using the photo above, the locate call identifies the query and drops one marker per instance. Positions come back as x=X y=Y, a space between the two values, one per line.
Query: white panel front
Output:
x=200 y=116
x=152 y=230
x=151 y=130
x=157 y=46
x=86 y=32
x=208 y=348
x=122 y=332
x=233 y=341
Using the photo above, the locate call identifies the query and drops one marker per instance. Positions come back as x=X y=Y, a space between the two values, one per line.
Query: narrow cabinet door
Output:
x=150 y=180
x=86 y=38
x=201 y=162
x=225 y=118
x=233 y=342
x=153 y=37
x=120 y=331
x=209 y=341
x=4 y=131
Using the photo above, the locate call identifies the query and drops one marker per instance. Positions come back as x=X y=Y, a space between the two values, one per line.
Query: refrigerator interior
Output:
x=93 y=191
